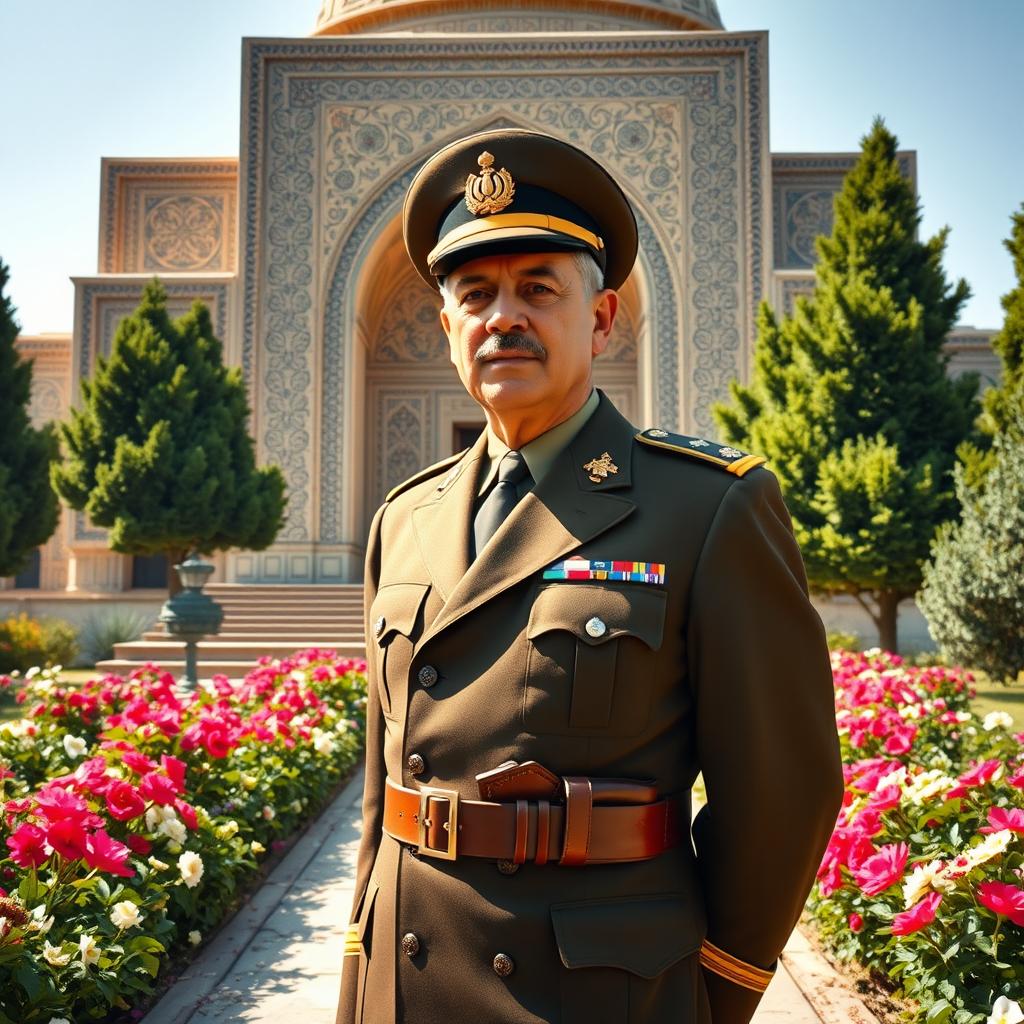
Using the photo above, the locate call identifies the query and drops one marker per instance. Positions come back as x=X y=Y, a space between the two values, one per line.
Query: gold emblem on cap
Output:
x=600 y=468
x=490 y=191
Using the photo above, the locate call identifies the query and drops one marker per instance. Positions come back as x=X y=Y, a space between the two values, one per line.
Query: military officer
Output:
x=565 y=625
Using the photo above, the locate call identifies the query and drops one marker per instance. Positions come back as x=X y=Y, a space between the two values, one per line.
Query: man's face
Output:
x=523 y=330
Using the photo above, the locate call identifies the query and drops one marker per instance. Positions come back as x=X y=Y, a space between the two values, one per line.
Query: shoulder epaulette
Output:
x=732 y=460
x=450 y=464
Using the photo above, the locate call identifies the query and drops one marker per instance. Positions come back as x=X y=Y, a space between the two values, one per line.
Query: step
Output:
x=281 y=634
x=207 y=667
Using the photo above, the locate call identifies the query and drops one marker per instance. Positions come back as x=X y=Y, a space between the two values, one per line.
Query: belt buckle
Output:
x=451 y=825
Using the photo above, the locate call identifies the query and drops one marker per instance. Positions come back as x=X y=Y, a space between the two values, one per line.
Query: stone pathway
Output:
x=279 y=959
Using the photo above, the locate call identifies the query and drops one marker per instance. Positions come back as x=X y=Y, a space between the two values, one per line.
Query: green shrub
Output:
x=840 y=640
x=26 y=643
x=115 y=626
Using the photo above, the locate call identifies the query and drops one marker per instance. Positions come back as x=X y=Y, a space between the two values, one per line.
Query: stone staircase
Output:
x=259 y=619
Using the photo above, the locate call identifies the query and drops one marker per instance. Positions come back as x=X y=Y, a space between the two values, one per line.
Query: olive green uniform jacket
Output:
x=723 y=670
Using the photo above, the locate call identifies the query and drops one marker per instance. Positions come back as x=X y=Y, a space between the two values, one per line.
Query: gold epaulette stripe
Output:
x=739 y=972
x=747 y=463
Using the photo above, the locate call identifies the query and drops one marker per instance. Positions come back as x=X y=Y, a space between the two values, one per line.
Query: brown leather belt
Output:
x=441 y=824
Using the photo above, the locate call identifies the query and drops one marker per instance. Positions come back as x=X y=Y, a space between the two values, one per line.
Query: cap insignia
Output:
x=598 y=469
x=490 y=191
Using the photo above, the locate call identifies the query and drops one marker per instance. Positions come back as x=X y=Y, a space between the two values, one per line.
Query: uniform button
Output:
x=416 y=764
x=508 y=867
x=410 y=944
x=378 y=627
x=595 y=627
x=427 y=676
x=504 y=965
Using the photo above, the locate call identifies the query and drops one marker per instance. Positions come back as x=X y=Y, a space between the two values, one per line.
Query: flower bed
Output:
x=132 y=815
x=923 y=880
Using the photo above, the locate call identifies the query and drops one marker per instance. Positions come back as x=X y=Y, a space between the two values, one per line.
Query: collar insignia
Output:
x=598 y=469
x=490 y=191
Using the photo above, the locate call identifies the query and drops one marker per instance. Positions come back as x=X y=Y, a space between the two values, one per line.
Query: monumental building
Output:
x=295 y=244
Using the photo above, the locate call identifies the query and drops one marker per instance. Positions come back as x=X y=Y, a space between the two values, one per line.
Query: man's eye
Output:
x=474 y=296
x=539 y=289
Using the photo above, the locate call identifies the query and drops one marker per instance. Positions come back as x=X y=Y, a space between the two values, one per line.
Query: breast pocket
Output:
x=592 y=654
x=394 y=621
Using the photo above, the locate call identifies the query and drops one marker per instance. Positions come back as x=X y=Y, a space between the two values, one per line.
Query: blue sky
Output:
x=127 y=78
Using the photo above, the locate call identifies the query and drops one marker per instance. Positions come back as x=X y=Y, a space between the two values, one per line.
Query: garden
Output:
x=134 y=818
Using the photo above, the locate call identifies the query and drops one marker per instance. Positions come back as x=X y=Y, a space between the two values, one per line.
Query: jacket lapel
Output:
x=566 y=509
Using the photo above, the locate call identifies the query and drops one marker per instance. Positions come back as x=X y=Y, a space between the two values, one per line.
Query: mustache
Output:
x=511 y=342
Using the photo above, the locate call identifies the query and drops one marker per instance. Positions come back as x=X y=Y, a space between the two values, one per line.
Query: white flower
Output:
x=75 y=745
x=174 y=829
x=208 y=686
x=997 y=720
x=919 y=789
x=40 y=922
x=297 y=806
x=248 y=781
x=257 y=847
x=268 y=812
x=991 y=846
x=227 y=830
x=89 y=950
x=157 y=865
x=191 y=867
x=125 y=915
x=33 y=672
x=964 y=716
x=322 y=743
x=923 y=878
x=1005 y=1011
x=298 y=675
x=58 y=1020
x=194 y=937
x=895 y=778
x=154 y=815
x=52 y=955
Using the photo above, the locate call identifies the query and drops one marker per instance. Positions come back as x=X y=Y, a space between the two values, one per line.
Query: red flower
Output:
x=57 y=803
x=216 y=742
x=67 y=837
x=187 y=813
x=139 y=763
x=138 y=844
x=919 y=915
x=106 y=854
x=124 y=801
x=1004 y=899
x=884 y=799
x=157 y=787
x=856 y=922
x=883 y=869
x=175 y=770
x=28 y=846
x=1002 y=817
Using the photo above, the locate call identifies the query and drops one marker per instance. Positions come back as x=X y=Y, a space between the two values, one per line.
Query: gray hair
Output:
x=592 y=274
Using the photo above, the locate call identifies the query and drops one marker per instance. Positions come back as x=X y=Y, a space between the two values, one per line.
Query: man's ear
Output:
x=606 y=305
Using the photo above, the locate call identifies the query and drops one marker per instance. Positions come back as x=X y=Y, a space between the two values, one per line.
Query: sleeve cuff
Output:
x=739 y=972
x=353 y=947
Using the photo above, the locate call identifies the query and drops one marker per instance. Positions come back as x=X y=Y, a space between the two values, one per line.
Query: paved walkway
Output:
x=279 y=959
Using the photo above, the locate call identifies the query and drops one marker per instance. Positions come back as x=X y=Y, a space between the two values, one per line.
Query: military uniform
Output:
x=641 y=616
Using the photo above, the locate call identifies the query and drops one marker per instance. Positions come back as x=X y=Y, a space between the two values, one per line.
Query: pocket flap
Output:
x=622 y=610
x=395 y=609
x=639 y=934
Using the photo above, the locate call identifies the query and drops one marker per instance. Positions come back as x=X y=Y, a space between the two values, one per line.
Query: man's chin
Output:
x=509 y=390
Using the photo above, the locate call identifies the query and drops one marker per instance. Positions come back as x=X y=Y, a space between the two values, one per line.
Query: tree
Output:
x=850 y=399
x=28 y=506
x=160 y=453
x=999 y=405
x=973 y=592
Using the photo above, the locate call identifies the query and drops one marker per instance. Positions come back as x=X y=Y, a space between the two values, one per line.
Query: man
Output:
x=566 y=623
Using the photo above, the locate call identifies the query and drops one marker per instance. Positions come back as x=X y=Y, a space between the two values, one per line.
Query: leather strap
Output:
x=522 y=830
x=597 y=834
x=579 y=809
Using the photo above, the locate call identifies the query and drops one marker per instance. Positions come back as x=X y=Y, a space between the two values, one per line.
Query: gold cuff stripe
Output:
x=747 y=463
x=354 y=952
x=514 y=220
x=739 y=972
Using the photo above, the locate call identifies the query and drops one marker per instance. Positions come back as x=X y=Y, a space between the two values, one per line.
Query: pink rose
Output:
x=124 y=802
x=28 y=846
x=105 y=853
x=1003 y=899
x=856 y=922
x=919 y=915
x=1000 y=818
x=157 y=787
x=885 y=868
x=67 y=837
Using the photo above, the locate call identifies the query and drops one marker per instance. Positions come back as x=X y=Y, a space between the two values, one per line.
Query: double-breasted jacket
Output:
x=721 y=668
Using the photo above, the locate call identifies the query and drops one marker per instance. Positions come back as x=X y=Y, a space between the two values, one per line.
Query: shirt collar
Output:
x=541 y=452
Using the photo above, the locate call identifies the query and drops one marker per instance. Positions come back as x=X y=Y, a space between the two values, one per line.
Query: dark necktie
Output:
x=503 y=497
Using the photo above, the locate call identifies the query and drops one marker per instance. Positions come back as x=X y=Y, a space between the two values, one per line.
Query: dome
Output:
x=339 y=17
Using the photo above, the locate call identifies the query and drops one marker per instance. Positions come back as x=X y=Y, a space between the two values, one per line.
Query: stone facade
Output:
x=296 y=246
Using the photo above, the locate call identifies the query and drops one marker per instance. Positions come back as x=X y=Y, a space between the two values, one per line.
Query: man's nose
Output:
x=507 y=313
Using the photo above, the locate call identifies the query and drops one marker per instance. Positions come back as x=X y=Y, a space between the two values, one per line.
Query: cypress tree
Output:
x=973 y=592
x=999 y=405
x=850 y=399
x=28 y=506
x=160 y=454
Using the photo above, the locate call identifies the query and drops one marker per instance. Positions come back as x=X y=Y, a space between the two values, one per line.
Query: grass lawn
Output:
x=992 y=697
